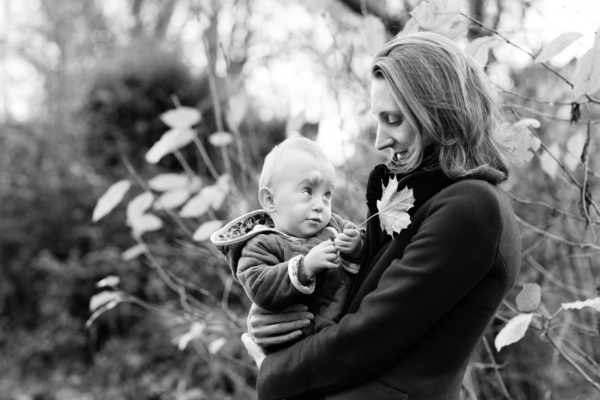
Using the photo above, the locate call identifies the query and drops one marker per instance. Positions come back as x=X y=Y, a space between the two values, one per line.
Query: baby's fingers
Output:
x=350 y=225
x=351 y=232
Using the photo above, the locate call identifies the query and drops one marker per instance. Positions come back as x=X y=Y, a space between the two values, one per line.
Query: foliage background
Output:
x=84 y=86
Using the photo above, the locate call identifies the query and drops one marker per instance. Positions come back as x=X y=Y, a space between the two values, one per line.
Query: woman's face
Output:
x=393 y=130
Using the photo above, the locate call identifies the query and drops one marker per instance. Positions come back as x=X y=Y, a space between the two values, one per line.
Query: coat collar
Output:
x=426 y=181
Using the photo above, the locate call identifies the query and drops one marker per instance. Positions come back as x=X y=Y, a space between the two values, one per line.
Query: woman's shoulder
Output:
x=474 y=189
x=473 y=198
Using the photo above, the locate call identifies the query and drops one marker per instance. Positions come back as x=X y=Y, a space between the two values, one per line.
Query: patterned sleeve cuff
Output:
x=351 y=267
x=293 y=266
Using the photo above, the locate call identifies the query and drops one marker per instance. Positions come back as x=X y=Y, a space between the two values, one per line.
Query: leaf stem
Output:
x=382 y=211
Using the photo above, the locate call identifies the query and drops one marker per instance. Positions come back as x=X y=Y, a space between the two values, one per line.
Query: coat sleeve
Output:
x=451 y=251
x=264 y=275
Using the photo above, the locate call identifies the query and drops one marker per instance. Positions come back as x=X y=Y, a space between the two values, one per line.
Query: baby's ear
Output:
x=265 y=197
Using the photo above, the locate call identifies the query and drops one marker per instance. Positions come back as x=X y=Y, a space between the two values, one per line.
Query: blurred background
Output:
x=84 y=88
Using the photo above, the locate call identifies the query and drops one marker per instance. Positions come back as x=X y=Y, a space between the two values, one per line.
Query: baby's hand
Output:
x=321 y=257
x=349 y=241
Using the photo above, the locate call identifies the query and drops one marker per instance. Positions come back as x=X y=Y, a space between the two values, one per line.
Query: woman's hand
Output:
x=267 y=328
x=254 y=350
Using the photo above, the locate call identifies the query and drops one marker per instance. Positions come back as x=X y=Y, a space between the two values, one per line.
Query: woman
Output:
x=423 y=298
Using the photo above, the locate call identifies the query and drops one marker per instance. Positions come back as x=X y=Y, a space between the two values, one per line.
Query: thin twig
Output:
x=538 y=267
x=496 y=369
x=186 y=167
x=206 y=158
x=584 y=185
x=581 y=245
x=549 y=207
x=545 y=65
x=550 y=103
x=573 y=363
x=544 y=115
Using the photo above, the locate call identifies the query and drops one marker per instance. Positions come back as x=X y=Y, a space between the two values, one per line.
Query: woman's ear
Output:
x=266 y=199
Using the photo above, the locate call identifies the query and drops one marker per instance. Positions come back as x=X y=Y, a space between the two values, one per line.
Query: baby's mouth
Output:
x=318 y=220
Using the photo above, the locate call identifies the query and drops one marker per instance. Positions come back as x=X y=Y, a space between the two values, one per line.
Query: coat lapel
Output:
x=425 y=185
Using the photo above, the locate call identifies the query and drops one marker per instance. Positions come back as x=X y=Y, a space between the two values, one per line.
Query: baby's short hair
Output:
x=296 y=142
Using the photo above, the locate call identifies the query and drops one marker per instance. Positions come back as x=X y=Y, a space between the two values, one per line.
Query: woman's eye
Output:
x=393 y=120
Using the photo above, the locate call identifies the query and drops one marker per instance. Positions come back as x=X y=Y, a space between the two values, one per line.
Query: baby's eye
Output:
x=307 y=191
x=328 y=195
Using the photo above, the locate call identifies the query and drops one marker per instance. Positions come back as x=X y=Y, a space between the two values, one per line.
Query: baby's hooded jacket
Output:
x=259 y=256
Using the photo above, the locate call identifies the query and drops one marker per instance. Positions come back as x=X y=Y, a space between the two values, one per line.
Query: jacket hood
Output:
x=231 y=238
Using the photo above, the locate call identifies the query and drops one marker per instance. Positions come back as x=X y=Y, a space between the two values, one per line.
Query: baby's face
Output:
x=302 y=195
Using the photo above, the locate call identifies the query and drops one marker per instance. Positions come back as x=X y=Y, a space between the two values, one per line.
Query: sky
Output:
x=294 y=83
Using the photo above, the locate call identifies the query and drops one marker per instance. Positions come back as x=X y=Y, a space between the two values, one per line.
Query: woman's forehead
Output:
x=382 y=100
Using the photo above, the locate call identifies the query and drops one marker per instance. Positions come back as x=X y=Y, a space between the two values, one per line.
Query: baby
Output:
x=284 y=254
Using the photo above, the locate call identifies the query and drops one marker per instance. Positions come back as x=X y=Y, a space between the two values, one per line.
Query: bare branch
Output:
x=581 y=245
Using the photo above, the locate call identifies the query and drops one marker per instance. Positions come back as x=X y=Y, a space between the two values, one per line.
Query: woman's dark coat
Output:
x=421 y=302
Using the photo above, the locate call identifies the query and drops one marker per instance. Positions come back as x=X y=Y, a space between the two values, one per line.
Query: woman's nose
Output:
x=383 y=140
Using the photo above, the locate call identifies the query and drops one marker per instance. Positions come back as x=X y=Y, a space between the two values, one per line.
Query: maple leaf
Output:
x=393 y=207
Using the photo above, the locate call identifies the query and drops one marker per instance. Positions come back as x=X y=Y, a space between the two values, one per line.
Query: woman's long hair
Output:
x=447 y=99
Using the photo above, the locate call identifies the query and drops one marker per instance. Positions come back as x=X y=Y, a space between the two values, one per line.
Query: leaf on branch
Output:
x=145 y=223
x=165 y=182
x=556 y=46
x=196 y=330
x=587 y=73
x=197 y=206
x=411 y=26
x=479 y=49
x=575 y=144
x=432 y=14
x=207 y=229
x=133 y=252
x=138 y=219
x=316 y=6
x=548 y=163
x=181 y=117
x=529 y=298
x=525 y=141
x=110 y=199
x=238 y=106
x=109 y=281
x=220 y=139
x=216 y=345
x=169 y=142
x=209 y=197
x=373 y=33
x=172 y=199
x=294 y=123
x=107 y=299
x=393 y=207
x=139 y=205
x=578 y=305
x=102 y=302
x=453 y=29
x=513 y=331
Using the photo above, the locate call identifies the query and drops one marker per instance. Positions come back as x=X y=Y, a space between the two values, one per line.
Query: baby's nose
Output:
x=317 y=205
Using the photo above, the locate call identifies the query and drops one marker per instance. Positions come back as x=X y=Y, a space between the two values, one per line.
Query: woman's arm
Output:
x=453 y=249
